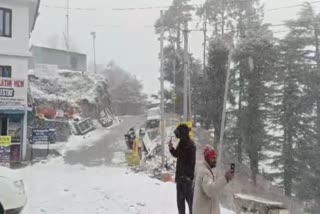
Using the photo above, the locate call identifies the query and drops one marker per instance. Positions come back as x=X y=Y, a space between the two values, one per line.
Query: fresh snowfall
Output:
x=56 y=187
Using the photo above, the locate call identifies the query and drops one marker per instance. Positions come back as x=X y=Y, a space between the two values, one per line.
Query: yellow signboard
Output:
x=5 y=141
x=189 y=124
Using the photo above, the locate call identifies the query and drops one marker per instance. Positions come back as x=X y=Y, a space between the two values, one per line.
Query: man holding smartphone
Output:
x=186 y=160
x=208 y=185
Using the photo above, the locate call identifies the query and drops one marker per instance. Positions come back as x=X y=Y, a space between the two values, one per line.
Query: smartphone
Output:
x=233 y=167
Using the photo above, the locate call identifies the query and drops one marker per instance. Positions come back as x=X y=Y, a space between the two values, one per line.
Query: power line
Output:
x=136 y=8
x=292 y=6
x=167 y=6
x=199 y=5
x=140 y=8
x=73 y=8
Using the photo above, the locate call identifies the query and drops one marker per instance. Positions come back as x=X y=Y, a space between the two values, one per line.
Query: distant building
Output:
x=63 y=59
x=17 y=20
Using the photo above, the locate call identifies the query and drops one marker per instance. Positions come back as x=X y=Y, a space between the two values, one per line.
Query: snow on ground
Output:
x=54 y=187
x=57 y=188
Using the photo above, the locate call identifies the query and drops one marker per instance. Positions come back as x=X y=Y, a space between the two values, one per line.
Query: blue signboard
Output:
x=6 y=92
x=40 y=135
x=5 y=154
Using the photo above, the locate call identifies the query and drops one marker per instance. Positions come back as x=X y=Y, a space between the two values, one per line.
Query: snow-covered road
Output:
x=58 y=188
x=83 y=181
x=55 y=187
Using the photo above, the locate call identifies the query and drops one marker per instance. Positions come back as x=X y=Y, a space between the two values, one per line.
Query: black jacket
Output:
x=186 y=159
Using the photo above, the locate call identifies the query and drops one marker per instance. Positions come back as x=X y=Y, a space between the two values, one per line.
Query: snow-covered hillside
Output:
x=53 y=85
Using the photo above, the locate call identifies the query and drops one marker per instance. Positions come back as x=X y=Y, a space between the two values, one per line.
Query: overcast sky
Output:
x=125 y=36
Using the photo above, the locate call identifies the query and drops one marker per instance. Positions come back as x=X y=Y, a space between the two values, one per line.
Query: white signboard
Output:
x=13 y=92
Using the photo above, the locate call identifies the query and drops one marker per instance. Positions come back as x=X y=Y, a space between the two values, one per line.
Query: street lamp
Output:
x=93 y=34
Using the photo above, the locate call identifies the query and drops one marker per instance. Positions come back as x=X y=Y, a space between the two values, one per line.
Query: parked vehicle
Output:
x=12 y=192
x=153 y=118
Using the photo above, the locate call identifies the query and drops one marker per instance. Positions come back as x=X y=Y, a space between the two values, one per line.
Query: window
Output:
x=5 y=71
x=5 y=22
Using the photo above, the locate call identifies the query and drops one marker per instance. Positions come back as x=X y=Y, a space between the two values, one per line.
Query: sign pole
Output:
x=162 y=128
x=48 y=149
x=31 y=153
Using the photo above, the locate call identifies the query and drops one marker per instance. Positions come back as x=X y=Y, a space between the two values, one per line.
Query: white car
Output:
x=12 y=192
x=153 y=118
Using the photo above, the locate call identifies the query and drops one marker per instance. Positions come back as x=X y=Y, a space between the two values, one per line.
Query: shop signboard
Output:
x=5 y=141
x=13 y=92
x=40 y=136
x=5 y=154
x=5 y=149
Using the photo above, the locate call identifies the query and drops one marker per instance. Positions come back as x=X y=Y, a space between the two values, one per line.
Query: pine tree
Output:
x=301 y=118
x=259 y=52
x=216 y=72
x=293 y=107
x=173 y=20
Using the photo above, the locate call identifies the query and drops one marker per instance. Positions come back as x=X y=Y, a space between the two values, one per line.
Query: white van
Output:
x=153 y=118
x=12 y=192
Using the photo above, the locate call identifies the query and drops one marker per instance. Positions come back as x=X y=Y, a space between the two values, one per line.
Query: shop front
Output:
x=13 y=119
x=12 y=124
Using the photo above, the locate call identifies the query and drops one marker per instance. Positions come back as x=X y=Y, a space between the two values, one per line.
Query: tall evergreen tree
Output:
x=259 y=51
x=301 y=120
x=216 y=72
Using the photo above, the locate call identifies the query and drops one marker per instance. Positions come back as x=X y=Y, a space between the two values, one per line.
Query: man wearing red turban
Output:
x=208 y=185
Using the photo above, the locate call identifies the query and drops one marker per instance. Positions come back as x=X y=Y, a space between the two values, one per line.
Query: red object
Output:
x=209 y=152
x=69 y=113
x=49 y=113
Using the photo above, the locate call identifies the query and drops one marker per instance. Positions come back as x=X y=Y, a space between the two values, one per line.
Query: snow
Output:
x=258 y=200
x=63 y=85
x=54 y=187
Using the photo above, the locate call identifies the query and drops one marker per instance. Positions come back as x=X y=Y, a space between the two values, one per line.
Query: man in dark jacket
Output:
x=186 y=160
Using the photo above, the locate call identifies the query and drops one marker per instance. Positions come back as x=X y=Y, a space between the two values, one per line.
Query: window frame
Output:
x=6 y=10
x=6 y=66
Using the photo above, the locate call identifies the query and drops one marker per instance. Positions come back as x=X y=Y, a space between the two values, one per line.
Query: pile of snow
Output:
x=63 y=85
x=152 y=163
x=54 y=187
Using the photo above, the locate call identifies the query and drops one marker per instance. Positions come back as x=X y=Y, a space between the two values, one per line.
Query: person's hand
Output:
x=229 y=176
x=170 y=144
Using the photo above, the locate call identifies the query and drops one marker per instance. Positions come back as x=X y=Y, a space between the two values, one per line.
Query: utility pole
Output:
x=93 y=34
x=223 y=120
x=68 y=25
x=189 y=91
x=174 y=97
x=185 y=63
x=204 y=42
x=162 y=89
x=68 y=33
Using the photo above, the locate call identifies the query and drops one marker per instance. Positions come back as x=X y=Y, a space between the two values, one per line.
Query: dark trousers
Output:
x=184 y=193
